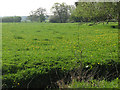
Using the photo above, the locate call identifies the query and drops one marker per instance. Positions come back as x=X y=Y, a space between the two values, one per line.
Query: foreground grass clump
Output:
x=37 y=51
x=95 y=84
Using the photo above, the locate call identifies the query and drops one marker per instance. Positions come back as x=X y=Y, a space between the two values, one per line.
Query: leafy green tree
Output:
x=71 y=8
x=61 y=11
x=32 y=16
x=106 y=10
x=40 y=13
x=16 y=19
x=118 y=6
x=95 y=11
x=54 y=19
x=83 y=11
x=37 y=15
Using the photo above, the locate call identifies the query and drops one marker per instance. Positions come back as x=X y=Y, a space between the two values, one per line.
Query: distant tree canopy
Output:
x=11 y=19
x=95 y=11
x=54 y=19
x=85 y=12
x=37 y=15
x=61 y=12
x=118 y=6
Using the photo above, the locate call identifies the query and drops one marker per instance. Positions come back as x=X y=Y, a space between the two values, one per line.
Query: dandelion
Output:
x=98 y=63
x=18 y=83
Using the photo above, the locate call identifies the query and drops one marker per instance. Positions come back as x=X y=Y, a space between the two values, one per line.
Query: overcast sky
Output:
x=23 y=7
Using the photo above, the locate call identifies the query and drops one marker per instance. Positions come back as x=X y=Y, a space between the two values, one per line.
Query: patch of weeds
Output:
x=47 y=49
x=16 y=55
x=54 y=49
x=18 y=49
x=46 y=39
x=94 y=84
x=27 y=49
x=46 y=44
x=59 y=37
x=55 y=32
x=18 y=37
x=35 y=39
x=50 y=29
x=38 y=31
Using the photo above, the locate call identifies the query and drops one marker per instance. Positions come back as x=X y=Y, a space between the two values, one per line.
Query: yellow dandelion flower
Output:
x=18 y=83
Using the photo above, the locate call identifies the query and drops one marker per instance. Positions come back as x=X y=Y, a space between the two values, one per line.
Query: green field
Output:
x=34 y=49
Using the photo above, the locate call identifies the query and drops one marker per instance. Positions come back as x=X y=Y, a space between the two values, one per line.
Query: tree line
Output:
x=97 y=12
x=81 y=12
x=11 y=19
x=61 y=13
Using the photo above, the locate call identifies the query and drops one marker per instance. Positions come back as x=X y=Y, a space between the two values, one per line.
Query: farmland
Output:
x=32 y=50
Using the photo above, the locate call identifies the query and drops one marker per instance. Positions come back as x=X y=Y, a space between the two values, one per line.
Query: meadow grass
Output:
x=95 y=84
x=36 y=48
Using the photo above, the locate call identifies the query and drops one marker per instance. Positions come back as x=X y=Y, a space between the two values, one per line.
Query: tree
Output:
x=61 y=11
x=16 y=19
x=54 y=19
x=71 y=8
x=95 y=11
x=37 y=15
x=40 y=12
x=84 y=11
x=32 y=16
x=118 y=6
x=107 y=10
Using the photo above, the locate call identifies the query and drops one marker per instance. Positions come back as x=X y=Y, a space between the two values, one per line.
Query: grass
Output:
x=95 y=84
x=32 y=49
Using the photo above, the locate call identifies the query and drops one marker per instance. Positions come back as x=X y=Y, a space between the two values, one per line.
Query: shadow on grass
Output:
x=114 y=26
x=56 y=77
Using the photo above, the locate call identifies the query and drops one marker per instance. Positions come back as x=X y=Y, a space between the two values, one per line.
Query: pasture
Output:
x=32 y=50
